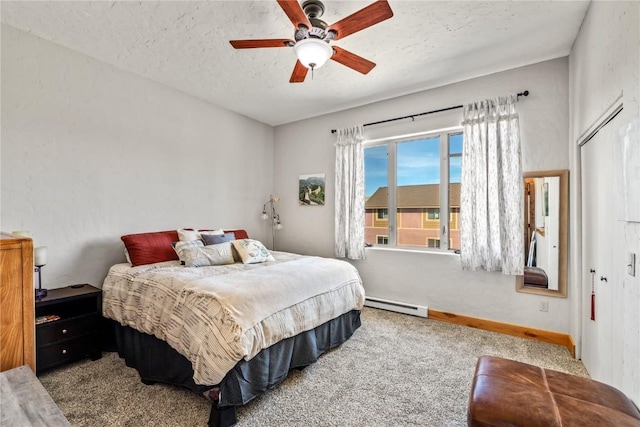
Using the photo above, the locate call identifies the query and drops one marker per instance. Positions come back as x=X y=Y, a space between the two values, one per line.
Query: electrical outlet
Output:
x=544 y=306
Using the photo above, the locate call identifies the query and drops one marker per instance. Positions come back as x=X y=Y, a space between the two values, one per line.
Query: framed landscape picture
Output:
x=311 y=189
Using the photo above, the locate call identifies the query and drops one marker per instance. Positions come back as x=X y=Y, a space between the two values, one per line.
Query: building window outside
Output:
x=411 y=178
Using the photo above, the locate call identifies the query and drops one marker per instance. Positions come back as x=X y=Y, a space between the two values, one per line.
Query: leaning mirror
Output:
x=545 y=233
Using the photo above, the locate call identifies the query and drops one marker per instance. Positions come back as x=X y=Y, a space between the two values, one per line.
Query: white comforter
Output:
x=217 y=316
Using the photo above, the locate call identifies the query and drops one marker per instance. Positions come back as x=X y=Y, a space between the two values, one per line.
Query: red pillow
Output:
x=148 y=248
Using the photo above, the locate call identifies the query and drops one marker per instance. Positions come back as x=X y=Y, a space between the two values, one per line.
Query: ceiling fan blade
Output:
x=295 y=13
x=352 y=60
x=364 y=18
x=299 y=73
x=252 y=44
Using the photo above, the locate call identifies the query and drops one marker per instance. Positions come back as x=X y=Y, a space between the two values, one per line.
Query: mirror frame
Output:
x=563 y=174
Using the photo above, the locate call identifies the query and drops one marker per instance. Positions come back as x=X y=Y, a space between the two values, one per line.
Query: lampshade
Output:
x=313 y=53
x=40 y=260
x=40 y=256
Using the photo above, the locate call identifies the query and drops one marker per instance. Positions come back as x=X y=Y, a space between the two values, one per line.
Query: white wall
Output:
x=605 y=63
x=429 y=279
x=90 y=153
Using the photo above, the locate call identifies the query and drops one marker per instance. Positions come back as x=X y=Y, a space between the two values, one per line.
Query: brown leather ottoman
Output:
x=534 y=276
x=509 y=393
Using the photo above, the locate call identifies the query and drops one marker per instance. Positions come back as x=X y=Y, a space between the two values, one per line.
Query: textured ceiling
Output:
x=184 y=45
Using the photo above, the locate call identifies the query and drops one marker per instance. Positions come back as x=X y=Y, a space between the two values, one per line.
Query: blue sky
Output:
x=418 y=163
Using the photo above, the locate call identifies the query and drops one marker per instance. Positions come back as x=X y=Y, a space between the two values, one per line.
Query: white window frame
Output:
x=434 y=214
x=438 y=241
x=382 y=217
x=391 y=144
x=380 y=236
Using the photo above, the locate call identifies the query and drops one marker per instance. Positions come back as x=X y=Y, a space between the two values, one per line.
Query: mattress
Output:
x=219 y=315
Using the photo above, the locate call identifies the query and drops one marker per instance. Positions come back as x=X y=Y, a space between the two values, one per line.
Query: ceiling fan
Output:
x=312 y=36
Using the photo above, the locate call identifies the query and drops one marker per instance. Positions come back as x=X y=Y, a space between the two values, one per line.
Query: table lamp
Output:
x=40 y=260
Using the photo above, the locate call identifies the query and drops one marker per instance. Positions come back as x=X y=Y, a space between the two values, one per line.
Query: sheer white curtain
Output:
x=491 y=204
x=349 y=191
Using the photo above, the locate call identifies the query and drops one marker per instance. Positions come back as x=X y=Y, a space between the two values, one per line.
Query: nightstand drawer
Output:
x=65 y=351
x=66 y=329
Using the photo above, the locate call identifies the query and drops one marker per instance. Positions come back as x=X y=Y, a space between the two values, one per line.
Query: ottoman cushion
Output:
x=509 y=393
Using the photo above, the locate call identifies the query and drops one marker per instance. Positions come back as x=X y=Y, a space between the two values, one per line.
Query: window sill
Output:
x=412 y=250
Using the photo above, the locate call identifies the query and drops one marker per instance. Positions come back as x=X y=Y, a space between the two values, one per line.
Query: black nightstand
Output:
x=76 y=334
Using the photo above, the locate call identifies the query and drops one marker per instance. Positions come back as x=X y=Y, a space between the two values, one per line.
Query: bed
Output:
x=232 y=330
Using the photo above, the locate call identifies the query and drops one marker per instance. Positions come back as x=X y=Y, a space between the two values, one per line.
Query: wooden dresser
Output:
x=17 y=312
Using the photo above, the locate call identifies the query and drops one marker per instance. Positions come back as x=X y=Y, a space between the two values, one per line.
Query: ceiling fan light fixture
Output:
x=313 y=53
x=312 y=36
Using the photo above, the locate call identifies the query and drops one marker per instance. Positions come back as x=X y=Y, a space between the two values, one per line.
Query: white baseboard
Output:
x=400 y=307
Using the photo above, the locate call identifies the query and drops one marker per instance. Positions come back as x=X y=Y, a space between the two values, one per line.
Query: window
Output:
x=417 y=178
x=433 y=243
x=376 y=193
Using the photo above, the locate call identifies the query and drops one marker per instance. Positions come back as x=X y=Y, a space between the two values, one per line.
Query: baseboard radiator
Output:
x=400 y=307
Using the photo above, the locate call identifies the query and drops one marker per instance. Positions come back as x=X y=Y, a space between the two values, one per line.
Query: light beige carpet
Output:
x=396 y=370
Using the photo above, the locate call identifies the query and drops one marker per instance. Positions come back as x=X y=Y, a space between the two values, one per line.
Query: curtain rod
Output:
x=413 y=116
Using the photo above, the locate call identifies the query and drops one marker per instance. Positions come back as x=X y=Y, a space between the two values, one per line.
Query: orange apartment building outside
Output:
x=417 y=219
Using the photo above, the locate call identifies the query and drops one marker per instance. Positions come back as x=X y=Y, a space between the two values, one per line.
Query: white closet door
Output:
x=600 y=347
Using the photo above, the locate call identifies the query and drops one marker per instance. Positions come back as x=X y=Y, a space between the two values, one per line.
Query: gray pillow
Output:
x=216 y=239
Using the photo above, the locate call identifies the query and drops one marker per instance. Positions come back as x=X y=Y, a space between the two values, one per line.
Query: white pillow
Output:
x=252 y=251
x=180 y=247
x=203 y=256
x=189 y=235
x=217 y=232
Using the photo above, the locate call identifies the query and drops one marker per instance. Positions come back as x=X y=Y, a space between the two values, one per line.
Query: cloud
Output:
x=423 y=163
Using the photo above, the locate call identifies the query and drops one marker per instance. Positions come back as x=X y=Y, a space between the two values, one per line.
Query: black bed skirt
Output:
x=156 y=361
